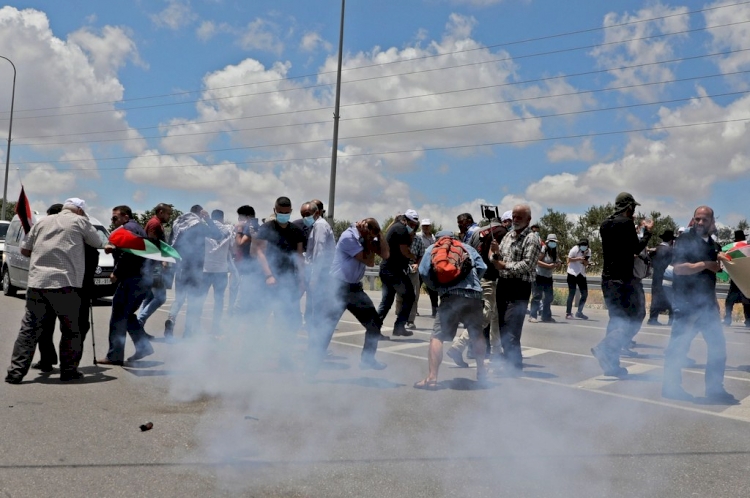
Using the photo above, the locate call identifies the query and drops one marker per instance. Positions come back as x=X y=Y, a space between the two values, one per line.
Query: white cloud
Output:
x=175 y=15
x=386 y=94
x=61 y=78
x=635 y=52
x=582 y=152
x=46 y=180
x=206 y=30
x=733 y=37
x=313 y=41
x=261 y=35
x=476 y=3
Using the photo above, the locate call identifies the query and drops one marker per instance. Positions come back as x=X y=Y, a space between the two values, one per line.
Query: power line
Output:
x=426 y=149
x=408 y=73
x=484 y=47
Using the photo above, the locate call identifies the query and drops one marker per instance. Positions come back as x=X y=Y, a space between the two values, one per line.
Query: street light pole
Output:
x=335 y=145
x=10 y=131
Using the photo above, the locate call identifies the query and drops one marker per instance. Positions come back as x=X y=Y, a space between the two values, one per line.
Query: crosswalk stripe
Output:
x=399 y=347
x=599 y=381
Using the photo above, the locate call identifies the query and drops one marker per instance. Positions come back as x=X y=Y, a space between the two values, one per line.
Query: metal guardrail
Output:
x=561 y=282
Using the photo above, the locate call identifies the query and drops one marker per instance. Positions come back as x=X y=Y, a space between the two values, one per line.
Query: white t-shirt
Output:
x=576 y=268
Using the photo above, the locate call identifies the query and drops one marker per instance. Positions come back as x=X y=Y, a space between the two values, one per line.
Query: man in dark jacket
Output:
x=131 y=290
x=620 y=246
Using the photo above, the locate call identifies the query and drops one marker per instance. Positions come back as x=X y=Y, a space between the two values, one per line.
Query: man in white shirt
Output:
x=216 y=266
x=578 y=260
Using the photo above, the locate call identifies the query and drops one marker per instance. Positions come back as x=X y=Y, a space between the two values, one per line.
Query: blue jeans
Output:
x=396 y=283
x=154 y=299
x=219 y=281
x=128 y=297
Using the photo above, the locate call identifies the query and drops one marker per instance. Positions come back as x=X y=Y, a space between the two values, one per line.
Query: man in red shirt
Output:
x=157 y=295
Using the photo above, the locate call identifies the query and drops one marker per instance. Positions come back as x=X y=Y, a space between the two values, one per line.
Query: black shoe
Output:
x=677 y=393
x=608 y=366
x=72 y=375
x=581 y=316
x=549 y=320
x=12 y=379
x=653 y=322
x=721 y=396
x=107 y=361
x=382 y=337
x=410 y=325
x=148 y=336
x=169 y=328
x=629 y=353
x=370 y=363
x=142 y=353
x=400 y=330
x=457 y=357
x=434 y=312
x=42 y=367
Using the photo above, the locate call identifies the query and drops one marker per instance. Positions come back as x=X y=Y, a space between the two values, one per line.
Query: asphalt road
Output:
x=228 y=422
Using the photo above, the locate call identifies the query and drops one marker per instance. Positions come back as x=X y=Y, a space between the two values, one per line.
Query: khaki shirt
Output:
x=57 y=253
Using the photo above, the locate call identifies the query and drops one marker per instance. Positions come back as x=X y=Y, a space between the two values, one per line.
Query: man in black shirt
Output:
x=696 y=309
x=661 y=258
x=278 y=248
x=393 y=271
x=620 y=245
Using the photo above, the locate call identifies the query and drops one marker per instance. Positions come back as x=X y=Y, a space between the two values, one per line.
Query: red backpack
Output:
x=450 y=262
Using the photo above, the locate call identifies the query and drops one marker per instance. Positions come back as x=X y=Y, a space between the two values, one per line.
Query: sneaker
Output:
x=12 y=379
x=581 y=316
x=68 y=376
x=382 y=337
x=569 y=317
x=42 y=367
x=410 y=325
x=721 y=396
x=549 y=320
x=141 y=354
x=457 y=357
x=609 y=367
x=169 y=328
x=370 y=363
x=532 y=319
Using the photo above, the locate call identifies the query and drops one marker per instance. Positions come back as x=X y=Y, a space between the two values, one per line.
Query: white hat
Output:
x=411 y=215
x=508 y=215
x=552 y=236
x=426 y=221
x=75 y=202
x=681 y=230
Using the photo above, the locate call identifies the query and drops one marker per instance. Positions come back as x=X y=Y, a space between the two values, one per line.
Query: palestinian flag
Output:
x=23 y=210
x=737 y=250
x=127 y=241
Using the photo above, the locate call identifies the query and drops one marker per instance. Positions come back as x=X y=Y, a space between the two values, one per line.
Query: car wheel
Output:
x=8 y=289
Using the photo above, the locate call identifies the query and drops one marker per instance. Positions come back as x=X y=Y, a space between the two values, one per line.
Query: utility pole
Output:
x=10 y=131
x=335 y=145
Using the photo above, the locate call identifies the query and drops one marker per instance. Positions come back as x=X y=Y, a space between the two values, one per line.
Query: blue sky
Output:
x=446 y=104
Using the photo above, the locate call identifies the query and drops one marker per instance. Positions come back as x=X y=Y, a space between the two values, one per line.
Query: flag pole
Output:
x=10 y=131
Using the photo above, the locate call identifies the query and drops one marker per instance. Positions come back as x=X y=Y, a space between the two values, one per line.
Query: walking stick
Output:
x=91 y=319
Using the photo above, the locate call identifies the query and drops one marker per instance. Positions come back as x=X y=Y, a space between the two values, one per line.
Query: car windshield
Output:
x=3 y=230
x=103 y=233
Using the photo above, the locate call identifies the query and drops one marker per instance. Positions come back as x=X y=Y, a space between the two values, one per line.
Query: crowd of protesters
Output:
x=488 y=278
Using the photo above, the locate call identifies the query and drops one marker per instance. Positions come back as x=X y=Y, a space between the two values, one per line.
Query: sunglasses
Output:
x=115 y=218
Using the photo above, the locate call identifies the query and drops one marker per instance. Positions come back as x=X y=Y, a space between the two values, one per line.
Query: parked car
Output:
x=15 y=269
x=3 y=230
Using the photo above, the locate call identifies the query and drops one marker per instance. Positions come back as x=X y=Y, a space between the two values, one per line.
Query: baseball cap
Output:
x=75 y=202
x=426 y=221
x=552 y=236
x=508 y=215
x=411 y=215
x=445 y=233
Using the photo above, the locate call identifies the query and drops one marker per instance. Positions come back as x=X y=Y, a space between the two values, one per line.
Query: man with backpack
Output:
x=454 y=269
x=481 y=241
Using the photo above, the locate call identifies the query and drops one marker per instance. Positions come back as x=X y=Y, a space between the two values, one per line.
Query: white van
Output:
x=15 y=269
x=3 y=230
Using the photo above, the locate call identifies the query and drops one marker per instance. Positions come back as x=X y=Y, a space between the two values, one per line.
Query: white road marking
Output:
x=406 y=345
x=600 y=381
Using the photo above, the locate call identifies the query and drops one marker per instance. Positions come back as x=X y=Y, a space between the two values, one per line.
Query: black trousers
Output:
x=582 y=284
x=512 y=297
x=735 y=296
x=660 y=300
x=542 y=299
x=621 y=299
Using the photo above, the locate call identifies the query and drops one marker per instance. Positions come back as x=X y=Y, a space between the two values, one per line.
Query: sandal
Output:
x=428 y=385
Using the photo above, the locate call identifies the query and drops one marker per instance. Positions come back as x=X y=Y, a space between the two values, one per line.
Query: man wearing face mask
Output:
x=620 y=246
x=515 y=258
x=696 y=261
x=394 y=271
x=578 y=260
x=278 y=249
x=321 y=246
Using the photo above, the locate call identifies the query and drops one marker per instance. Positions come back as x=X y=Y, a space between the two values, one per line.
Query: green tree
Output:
x=588 y=227
x=661 y=223
x=558 y=223
x=339 y=226
x=10 y=209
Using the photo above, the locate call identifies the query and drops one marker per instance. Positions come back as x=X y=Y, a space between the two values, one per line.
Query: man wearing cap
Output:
x=543 y=292
x=661 y=258
x=55 y=246
x=417 y=249
x=734 y=295
x=428 y=238
x=620 y=246
x=394 y=270
x=578 y=260
x=696 y=260
x=515 y=258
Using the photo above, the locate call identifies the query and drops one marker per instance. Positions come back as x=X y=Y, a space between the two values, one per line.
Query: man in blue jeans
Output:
x=157 y=294
x=394 y=271
x=131 y=290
